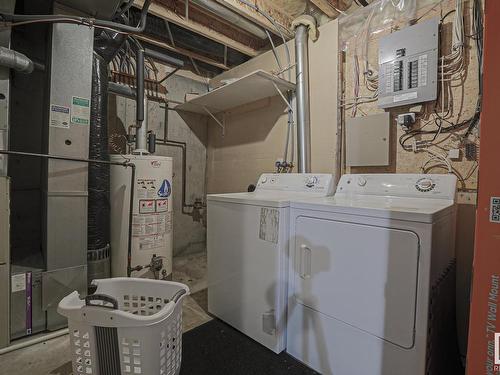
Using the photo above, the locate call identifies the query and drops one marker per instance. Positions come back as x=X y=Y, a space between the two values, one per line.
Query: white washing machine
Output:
x=371 y=280
x=247 y=245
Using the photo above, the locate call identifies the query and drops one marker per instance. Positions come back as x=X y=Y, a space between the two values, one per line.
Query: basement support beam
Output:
x=170 y=16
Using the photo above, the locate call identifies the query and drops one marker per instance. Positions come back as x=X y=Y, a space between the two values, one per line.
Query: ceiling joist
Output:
x=182 y=51
x=170 y=16
x=282 y=19
x=326 y=7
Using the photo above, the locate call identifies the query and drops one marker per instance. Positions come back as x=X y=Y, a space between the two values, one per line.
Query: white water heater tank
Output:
x=152 y=235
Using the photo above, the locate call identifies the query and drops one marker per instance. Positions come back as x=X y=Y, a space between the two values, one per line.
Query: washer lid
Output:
x=277 y=189
x=259 y=198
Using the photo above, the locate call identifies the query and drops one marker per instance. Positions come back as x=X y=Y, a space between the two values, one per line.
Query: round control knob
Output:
x=311 y=181
x=361 y=181
x=263 y=180
x=425 y=184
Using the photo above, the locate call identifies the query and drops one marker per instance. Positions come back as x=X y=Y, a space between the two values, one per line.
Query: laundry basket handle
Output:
x=178 y=295
x=101 y=297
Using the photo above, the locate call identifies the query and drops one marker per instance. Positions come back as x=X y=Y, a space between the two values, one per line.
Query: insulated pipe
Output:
x=161 y=57
x=303 y=110
x=122 y=90
x=98 y=234
x=139 y=84
x=15 y=60
x=231 y=16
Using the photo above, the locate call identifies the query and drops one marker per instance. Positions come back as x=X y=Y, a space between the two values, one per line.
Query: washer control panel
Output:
x=315 y=183
x=403 y=185
x=425 y=184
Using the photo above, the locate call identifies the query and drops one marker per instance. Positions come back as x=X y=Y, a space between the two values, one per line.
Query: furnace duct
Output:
x=98 y=254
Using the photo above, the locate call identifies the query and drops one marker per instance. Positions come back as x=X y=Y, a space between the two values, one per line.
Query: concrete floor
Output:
x=53 y=358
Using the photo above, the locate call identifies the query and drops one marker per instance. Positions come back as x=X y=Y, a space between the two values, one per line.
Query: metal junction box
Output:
x=408 y=65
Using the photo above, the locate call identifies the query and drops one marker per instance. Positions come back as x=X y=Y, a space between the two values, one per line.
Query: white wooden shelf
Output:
x=248 y=89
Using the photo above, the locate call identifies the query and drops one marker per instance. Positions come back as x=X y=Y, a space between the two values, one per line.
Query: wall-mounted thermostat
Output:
x=408 y=65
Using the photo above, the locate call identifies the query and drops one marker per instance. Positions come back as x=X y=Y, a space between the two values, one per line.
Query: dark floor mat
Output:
x=215 y=348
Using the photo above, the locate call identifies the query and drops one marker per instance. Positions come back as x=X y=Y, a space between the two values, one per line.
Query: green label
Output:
x=80 y=110
x=81 y=101
x=80 y=121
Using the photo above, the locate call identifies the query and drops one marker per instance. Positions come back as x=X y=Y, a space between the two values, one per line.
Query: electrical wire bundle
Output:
x=451 y=68
x=477 y=30
x=370 y=76
x=451 y=65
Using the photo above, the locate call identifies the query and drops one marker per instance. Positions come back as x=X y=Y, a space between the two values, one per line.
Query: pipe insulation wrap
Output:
x=98 y=185
x=139 y=75
x=15 y=60
x=107 y=43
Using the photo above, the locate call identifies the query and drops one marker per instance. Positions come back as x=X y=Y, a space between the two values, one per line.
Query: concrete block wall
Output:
x=189 y=231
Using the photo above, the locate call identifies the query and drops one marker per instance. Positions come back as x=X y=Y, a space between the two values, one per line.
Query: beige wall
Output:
x=255 y=134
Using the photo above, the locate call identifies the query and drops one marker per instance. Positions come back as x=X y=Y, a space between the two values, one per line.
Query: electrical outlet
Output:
x=406 y=120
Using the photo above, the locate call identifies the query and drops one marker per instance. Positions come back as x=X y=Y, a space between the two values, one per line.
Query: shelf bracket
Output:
x=282 y=96
x=220 y=123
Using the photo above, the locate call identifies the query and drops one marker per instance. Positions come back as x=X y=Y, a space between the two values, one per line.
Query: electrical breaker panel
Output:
x=408 y=65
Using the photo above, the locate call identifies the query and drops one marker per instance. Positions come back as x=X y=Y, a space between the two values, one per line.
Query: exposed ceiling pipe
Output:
x=231 y=17
x=161 y=57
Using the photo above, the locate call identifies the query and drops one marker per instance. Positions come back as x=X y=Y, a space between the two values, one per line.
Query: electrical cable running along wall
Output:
x=442 y=129
x=98 y=235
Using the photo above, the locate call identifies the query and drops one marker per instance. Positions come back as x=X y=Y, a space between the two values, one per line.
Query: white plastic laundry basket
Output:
x=128 y=326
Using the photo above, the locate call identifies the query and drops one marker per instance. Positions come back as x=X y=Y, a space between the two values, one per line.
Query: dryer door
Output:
x=364 y=276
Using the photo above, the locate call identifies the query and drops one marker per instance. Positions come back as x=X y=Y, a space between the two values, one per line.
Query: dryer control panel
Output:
x=315 y=183
x=440 y=186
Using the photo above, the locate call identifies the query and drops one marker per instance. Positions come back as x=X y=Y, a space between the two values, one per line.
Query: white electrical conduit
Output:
x=36 y=340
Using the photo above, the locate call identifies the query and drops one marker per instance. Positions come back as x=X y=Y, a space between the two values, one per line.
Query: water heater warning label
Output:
x=146 y=206
x=146 y=188
x=152 y=242
x=152 y=224
x=161 y=205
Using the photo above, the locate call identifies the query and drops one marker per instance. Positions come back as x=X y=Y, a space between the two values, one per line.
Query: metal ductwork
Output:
x=15 y=60
x=98 y=235
x=231 y=17
x=304 y=26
